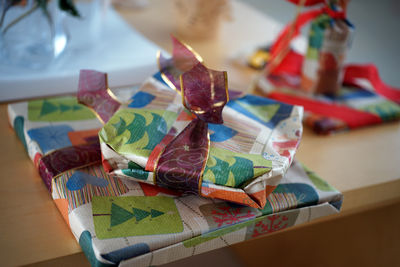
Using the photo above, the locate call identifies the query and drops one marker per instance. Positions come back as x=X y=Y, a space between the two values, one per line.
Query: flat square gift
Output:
x=120 y=221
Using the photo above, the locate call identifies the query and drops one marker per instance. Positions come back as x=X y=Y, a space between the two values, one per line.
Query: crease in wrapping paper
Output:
x=365 y=100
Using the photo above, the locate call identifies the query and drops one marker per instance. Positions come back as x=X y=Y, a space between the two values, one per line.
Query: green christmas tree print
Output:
x=58 y=109
x=233 y=169
x=135 y=215
x=135 y=171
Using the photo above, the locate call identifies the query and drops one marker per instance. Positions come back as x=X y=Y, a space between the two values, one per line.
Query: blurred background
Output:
x=376 y=38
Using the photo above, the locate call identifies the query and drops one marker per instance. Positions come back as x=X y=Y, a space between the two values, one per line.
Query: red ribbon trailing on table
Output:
x=354 y=74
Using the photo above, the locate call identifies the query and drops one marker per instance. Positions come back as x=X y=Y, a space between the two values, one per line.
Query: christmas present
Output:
x=328 y=40
x=335 y=96
x=149 y=225
x=118 y=221
x=240 y=156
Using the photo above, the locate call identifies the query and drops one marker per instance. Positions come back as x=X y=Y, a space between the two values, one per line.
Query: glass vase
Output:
x=31 y=38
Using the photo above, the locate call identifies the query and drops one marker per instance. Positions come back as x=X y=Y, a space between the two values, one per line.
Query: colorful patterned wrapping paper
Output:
x=335 y=97
x=328 y=42
x=249 y=153
x=351 y=108
x=119 y=221
x=148 y=226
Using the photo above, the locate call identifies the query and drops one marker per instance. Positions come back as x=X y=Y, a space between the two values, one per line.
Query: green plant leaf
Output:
x=69 y=7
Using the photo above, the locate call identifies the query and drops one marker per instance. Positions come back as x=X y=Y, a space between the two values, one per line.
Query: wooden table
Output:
x=364 y=164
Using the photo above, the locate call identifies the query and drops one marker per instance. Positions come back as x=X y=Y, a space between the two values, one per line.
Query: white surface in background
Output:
x=122 y=52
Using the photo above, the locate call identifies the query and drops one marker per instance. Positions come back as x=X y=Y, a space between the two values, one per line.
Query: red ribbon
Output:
x=293 y=29
x=353 y=72
x=292 y=63
x=352 y=117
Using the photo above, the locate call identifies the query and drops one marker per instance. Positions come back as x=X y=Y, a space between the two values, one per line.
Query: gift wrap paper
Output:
x=120 y=221
x=335 y=96
x=248 y=155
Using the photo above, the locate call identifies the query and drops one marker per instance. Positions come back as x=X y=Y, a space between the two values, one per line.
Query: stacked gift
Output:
x=335 y=96
x=125 y=206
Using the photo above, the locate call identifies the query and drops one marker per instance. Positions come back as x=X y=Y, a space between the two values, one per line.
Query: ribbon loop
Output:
x=94 y=93
x=183 y=59
x=205 y=93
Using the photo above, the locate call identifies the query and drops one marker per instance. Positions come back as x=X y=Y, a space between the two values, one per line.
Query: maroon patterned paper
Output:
x=180 y=166
x=182 y=163
x=66 y=159
x=94 y=93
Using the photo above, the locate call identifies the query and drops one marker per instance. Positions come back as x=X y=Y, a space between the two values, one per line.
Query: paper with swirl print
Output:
x=181 y=165
x=68 y=158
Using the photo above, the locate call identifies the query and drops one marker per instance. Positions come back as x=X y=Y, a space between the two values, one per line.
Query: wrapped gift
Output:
x=147 y=226
x=237 y=153
x=328 y=41
x=119 y=221
x=335 y=97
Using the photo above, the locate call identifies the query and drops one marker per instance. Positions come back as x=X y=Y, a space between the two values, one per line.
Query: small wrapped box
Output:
x=329 y=39
x=335 y=96
x=183 y=138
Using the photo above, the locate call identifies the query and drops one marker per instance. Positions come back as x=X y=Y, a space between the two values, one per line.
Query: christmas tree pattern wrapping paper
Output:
x=97 y=175
x=248 y=154
x=187 y=131
x=119 y=221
